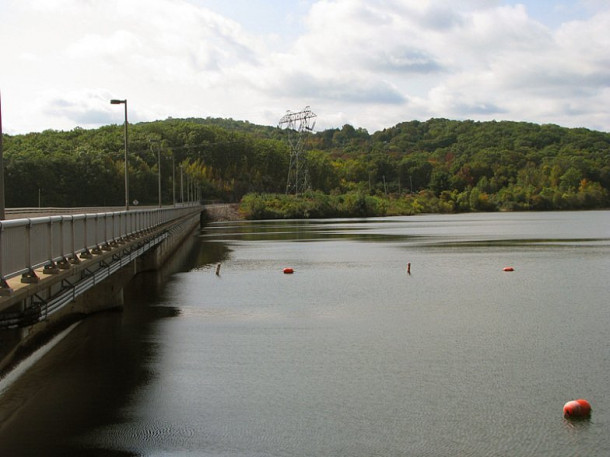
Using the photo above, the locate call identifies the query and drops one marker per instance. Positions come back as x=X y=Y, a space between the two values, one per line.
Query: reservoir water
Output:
x=348 y=356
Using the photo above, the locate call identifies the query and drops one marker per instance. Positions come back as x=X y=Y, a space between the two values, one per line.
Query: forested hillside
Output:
x=438 y=165
x=85 y=167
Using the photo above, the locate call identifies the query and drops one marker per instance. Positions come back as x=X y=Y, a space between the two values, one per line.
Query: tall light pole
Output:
x=159 y=167
x=155 y=143
x=173 y=178
x=181 y=186
x=5 y=289
x=1 y=167
x=124 y=102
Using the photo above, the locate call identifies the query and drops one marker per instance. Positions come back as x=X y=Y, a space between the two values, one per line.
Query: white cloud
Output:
x=372 y=63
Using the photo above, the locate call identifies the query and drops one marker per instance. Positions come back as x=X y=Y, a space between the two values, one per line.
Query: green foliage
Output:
x=282 y=206
x=86 y=167
x=434 y=166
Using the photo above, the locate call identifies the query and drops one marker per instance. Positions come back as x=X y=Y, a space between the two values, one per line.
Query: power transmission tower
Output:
x=297 y=124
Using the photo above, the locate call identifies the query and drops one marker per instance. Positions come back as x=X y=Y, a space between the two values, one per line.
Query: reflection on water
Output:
x=86 y=380
x=349 y=356
x=477 y=228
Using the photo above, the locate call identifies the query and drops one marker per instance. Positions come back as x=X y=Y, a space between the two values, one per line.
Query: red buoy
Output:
x=508 y=269
x=577 y=409
x=288 y=271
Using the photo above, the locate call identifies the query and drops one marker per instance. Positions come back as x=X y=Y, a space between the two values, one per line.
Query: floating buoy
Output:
x=577 y=409
x=288 y=271
x=409 y=268
x=508 y=269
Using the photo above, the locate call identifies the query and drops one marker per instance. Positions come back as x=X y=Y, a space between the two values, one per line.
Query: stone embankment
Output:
x=219 y=212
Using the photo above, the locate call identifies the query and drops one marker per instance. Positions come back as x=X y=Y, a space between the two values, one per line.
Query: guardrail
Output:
x=54 y=242
x=62 y=211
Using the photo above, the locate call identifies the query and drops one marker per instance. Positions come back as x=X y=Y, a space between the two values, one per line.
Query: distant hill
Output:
x=445 y=165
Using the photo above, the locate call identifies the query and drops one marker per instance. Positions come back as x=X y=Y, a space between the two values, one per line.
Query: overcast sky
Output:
x=369 y=63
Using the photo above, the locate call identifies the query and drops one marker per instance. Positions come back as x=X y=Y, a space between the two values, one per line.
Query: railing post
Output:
x=29 y=277
x=5 y=289
x=50 y=268
x=74 y=260
x=86 y=254
x=106 y=245
x=63 y=264
x=113 y=242
x=97 y=250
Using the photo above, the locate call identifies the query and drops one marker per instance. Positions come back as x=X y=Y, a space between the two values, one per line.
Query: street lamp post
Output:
x=181 y=186
x=159 y=167
x=124 y=102
x=5 y=289
x=173 y=179
x=155 y=144
x=1 y=167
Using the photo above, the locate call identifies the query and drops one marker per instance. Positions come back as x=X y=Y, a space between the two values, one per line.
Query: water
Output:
x=350 y=355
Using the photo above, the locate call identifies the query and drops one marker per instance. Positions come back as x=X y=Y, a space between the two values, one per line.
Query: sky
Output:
x=368 y=63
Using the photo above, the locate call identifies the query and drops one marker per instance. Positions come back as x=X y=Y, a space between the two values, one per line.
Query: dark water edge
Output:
x=79 y=387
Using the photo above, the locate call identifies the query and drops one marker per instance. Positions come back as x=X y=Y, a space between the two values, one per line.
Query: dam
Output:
x=56 y=269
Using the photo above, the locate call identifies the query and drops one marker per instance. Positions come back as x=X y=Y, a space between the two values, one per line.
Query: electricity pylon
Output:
x=297 y=124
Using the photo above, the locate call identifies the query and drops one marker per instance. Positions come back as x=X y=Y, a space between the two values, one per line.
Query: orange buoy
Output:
x=288 y=271
x=508 y=269
x=577 y=409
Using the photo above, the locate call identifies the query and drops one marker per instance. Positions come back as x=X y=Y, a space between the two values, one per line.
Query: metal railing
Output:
x=51 y=241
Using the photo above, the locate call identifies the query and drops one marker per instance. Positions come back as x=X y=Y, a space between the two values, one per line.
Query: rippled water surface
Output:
x=348 y=356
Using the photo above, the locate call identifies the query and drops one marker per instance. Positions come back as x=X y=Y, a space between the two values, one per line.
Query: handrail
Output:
x=30 y=243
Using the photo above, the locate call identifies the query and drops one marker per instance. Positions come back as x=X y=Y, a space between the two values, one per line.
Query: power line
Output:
x=297 y=124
